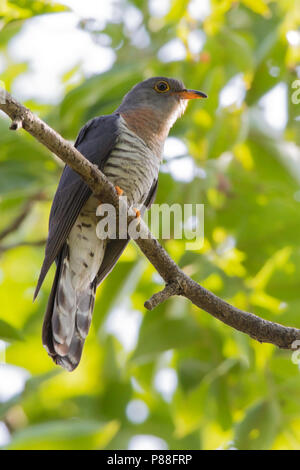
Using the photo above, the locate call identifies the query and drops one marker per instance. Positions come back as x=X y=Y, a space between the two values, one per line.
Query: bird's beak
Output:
x=191 y=94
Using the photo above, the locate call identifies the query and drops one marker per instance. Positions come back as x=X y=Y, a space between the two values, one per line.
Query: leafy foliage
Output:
x=228 y=391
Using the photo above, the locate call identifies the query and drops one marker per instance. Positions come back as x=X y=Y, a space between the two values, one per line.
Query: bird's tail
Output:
x=68 y=316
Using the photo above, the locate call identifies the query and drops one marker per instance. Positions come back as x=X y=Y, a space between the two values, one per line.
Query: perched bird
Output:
x=127 y=146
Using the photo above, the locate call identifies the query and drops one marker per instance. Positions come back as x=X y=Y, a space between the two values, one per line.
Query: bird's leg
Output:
x=137 y=212
x=119 y=190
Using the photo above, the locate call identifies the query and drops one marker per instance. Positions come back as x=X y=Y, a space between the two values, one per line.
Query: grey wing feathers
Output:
x=152 y=194
x=95 y=141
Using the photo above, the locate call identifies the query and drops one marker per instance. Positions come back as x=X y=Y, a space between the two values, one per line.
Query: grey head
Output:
x=165 y=95
x=151 y=107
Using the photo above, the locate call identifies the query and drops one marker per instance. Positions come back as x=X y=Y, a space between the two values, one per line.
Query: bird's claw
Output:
x=137 y=213
x=119 y=190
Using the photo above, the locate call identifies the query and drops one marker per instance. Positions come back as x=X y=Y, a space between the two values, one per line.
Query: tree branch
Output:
x=177 y=282
x=15 y=224
x=173 y=288
x=12 y=246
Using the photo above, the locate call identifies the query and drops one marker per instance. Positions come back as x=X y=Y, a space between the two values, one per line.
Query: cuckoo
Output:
x=127 y=146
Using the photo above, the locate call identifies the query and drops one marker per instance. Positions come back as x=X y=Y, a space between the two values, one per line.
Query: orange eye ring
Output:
x=162 y=86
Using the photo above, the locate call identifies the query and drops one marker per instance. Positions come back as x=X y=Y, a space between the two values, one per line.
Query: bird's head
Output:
x=152 y=106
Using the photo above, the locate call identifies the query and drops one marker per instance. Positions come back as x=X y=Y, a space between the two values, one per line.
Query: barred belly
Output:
x=132 y=166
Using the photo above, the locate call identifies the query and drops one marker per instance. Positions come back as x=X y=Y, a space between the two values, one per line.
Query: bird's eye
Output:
x=162 y=87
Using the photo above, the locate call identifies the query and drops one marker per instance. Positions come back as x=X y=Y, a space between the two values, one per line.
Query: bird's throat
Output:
x=149 y=125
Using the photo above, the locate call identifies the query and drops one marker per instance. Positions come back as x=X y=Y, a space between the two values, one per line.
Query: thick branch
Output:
x=177 y=281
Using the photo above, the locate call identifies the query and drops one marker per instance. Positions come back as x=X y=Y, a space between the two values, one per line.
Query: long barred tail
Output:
x=68 y=316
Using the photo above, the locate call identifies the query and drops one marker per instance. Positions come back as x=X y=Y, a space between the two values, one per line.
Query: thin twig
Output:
x=173 y=288
x=16 y=125
x=15 y=224
x=12 y=246
x=256 y=327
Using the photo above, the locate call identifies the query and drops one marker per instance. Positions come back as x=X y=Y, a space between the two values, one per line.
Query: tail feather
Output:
x=47 y=337
x=85 y=307
x=64 y=310
x=68 y=317
x=71 y=360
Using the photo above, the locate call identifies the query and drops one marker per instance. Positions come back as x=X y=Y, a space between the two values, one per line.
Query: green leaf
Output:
x=237 y=50
x=191 y=371
x=258 y=429
x=67 y=435
x=163 y=334
x=177 y=10
x=9 y=333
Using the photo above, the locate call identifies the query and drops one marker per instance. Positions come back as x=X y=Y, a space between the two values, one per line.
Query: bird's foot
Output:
x=119 y=190
x=137 y=213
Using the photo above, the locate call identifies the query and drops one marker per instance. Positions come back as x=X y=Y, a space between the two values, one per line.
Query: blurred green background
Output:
x=175 y=377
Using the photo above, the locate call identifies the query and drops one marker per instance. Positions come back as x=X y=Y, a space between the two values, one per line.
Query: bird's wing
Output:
x=152 y=195
x=116 y=247
x=95 y=141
